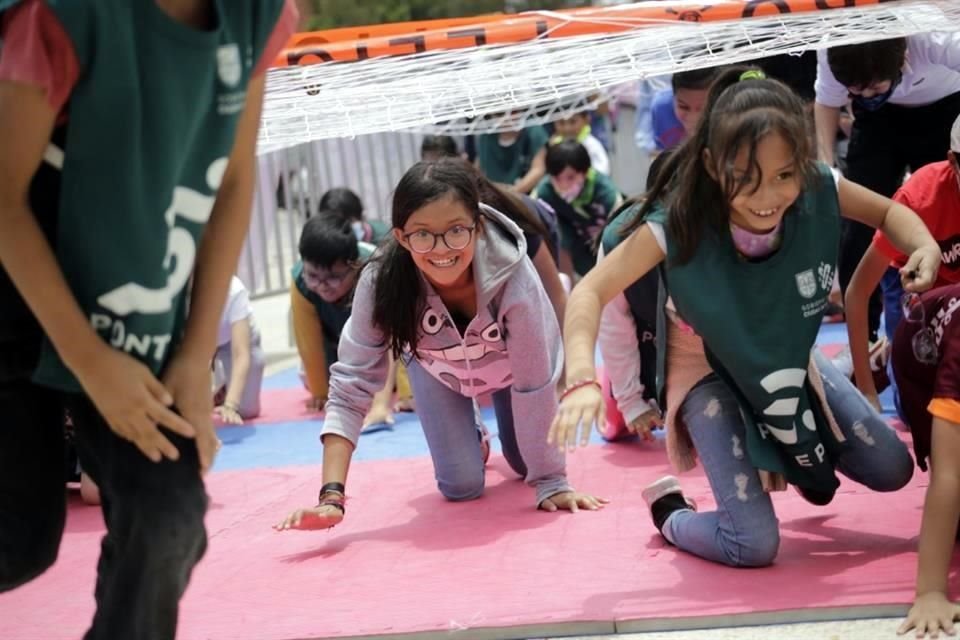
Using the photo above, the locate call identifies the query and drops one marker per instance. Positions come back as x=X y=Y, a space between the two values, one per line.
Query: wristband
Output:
x=579 y=385
x=231 y=407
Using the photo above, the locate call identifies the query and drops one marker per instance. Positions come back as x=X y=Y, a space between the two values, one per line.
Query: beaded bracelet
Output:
x=331 y=502
x=570 y=388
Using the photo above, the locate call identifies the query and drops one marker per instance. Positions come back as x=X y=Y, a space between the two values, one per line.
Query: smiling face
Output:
x=444 y=267
x=760 y=205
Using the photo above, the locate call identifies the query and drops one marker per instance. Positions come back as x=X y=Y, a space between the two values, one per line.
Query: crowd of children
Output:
x=705 y=292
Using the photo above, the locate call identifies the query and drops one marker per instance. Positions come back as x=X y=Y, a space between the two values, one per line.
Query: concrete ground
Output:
x=873 y=629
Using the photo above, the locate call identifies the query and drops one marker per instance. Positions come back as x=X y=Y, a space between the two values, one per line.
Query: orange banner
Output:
x=359 y=43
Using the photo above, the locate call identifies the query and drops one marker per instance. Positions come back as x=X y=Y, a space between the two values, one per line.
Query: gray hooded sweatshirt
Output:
x=514 y=341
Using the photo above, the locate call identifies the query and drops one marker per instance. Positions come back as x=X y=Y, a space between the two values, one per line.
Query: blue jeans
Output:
x=892 y=314
x=744 y=531
x=153 y=511
x=450 y=427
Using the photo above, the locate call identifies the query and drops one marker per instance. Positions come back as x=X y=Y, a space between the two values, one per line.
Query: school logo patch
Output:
x=229 y=67
x=825 y=273
x=806 y=283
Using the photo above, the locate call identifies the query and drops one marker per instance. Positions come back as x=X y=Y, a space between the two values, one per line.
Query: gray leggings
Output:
x=223 y=363
x=744 y=531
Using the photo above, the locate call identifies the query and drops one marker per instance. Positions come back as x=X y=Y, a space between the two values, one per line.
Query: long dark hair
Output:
x=513 y=206
x=738 y=115
x=399 y=293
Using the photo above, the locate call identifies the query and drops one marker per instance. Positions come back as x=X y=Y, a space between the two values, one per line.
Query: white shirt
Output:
x=236 y=309
x=599 y=159
x=931 y=72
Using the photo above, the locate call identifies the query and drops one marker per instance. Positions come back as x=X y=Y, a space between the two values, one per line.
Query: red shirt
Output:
x=38 y=52
x=928 y=390
x=933 y=192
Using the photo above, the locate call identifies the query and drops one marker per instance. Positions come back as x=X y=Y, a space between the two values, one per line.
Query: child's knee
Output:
x=758 y=550
x=462 y=489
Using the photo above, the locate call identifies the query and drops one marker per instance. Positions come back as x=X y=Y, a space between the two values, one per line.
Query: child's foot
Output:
x=663 y=498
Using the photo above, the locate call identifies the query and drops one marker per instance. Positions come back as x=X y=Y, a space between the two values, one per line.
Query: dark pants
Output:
x=883 y=145
x=153 y=512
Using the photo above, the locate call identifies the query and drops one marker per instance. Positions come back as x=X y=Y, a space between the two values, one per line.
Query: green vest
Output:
x=759 y=322
x=151 y=125
x=332 y=316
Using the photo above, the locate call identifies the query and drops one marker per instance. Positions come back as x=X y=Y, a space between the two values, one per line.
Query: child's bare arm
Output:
x=223 y=238
x=932 y=610
x=125 y=392
x=865 y=279
x=217 y=258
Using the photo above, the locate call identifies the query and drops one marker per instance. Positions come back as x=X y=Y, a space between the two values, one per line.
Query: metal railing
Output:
x=290 y=183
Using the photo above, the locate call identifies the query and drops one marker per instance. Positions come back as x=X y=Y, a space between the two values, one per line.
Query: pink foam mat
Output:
x=406 y=561
x=284 y=405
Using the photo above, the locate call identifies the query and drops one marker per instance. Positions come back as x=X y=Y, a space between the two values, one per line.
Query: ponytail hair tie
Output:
x=752 y=74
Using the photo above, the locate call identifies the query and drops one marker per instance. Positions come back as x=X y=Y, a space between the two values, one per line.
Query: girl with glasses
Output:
x=455 y=297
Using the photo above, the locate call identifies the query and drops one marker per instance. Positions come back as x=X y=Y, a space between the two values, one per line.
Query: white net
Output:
x=458 y=91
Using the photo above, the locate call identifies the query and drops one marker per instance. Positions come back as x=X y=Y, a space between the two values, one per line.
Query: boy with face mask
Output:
x=904 y=94
x=582 y=198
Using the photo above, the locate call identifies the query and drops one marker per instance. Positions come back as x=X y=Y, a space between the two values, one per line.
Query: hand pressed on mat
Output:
x=573 y=501
x=645 y=423
x=311 y=519
x=931 y=613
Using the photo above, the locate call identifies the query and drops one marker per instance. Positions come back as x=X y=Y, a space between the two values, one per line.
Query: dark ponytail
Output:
x=513 y=206
x=742 y=108
x=399 y=294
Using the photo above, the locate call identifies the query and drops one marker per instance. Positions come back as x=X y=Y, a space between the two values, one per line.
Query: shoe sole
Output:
x=664 y=487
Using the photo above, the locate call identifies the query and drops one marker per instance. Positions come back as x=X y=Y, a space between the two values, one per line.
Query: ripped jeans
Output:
x=744 y=531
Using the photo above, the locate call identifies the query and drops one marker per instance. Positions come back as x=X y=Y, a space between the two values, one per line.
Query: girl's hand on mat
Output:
x=930 y=613
x=316 y=404
x=920 y=272
x=573 y=501
x=188 y=380
x=312 y=519
x=133 y=402
x=581 y=408
x=645 y=423
x=228 y=415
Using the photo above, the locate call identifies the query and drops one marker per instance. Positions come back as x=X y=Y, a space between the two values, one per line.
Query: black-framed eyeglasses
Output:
x=331 y=280
x=924 y=342
x=456 y=238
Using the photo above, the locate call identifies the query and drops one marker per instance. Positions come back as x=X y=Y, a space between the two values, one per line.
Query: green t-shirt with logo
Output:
x=151 y=123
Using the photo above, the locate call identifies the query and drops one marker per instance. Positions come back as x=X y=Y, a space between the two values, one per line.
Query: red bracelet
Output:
x=570 y=388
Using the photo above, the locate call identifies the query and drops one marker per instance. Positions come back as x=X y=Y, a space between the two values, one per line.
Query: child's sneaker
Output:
x=663 y=497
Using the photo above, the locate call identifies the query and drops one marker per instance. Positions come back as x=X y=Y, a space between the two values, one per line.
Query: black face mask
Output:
x=875 y=102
